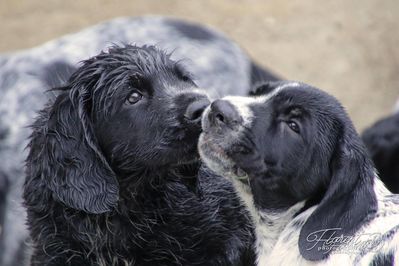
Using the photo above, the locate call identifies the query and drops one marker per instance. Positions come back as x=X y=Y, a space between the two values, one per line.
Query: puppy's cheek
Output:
x=255 y=169
x=249 y=160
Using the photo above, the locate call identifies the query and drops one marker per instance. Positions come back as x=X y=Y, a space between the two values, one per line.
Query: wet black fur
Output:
x=326 y=163
x=110 y=183
x=382 y=141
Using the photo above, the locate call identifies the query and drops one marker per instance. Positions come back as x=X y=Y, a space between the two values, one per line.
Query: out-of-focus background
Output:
x=349 y=48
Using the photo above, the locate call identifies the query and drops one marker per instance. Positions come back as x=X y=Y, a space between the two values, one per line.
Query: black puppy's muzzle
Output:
x=223 y=114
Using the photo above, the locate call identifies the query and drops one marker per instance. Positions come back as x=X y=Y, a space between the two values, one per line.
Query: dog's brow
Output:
x=243 y=103
x=142 y=83
x=286 y=85
x=295 y=111
x=277 y=90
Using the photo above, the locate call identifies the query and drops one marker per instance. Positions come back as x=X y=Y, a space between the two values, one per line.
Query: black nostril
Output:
x=195 y=109
x=220 y=117
x=223 y=112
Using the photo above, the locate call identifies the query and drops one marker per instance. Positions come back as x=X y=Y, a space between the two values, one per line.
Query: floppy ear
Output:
x=265 y=87
x=348 y=201
x=71 y=162
x=259 y=74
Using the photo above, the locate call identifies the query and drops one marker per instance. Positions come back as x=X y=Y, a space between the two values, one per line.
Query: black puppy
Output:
x=305 y=175
x=382 y=141
x=218 y=63
x=112 y=171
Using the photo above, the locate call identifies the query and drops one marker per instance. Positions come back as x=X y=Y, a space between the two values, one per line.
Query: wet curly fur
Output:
x=115 y=182
x=218 y=64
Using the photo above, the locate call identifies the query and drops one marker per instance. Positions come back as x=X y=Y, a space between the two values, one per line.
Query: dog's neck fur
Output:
x=268 y=224
x=186 y=173
x=137 y=184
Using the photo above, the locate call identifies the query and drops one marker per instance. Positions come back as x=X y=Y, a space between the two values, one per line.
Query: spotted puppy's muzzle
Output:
x=226 y=137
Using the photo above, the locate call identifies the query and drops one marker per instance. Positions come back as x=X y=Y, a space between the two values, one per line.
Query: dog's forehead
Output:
x=288 y=95
x=146 y=59
x=246 y=105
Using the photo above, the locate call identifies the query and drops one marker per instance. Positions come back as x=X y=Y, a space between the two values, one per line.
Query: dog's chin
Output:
x=186 y=160
x=215 y=157
x=183 y=152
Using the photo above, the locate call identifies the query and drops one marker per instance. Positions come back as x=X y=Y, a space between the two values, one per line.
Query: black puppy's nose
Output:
x=223 y=112
x=195 y=109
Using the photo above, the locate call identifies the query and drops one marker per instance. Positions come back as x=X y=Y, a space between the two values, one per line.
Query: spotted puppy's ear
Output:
x=264 y=88
x=66 y=156
x=349 y=200
x=261 y=75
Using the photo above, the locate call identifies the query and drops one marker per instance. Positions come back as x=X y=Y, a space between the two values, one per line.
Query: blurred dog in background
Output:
x=382 y=141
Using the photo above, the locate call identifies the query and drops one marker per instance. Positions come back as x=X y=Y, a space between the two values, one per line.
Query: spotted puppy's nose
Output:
x=195 y=109
x=224 y=113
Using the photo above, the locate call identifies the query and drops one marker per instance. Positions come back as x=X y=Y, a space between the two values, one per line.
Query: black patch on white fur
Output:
x=4 y=188
x=3 y=133
x=191 y=30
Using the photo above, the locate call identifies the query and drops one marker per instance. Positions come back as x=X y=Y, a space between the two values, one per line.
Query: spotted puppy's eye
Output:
x=134 y=97
x=293 y=126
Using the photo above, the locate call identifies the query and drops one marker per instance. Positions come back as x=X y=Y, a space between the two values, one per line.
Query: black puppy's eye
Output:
x=134 y=97
x=293 y=125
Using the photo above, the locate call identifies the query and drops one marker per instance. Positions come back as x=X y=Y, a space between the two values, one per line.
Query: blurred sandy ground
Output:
x=349 y=48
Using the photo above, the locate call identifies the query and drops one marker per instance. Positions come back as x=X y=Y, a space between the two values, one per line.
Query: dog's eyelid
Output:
x=143 y=86
x=142 y=91
x=135 y=89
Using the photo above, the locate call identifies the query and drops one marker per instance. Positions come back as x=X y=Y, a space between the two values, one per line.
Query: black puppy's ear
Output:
x=264 y=88
x=65 y=152
x=348 y=201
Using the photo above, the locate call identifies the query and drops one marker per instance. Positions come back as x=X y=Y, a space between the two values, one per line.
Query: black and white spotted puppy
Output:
x=298 y=163
x=216 y=62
